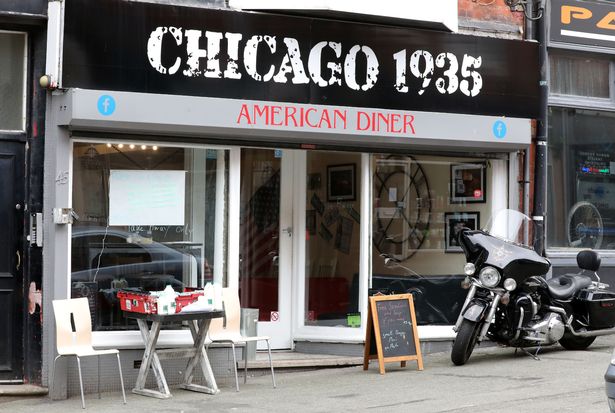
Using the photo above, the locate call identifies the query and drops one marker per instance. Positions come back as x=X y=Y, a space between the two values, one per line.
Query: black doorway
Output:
x=11 y=260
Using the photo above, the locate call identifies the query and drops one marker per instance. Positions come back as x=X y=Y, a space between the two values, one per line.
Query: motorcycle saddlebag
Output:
x=600 y=307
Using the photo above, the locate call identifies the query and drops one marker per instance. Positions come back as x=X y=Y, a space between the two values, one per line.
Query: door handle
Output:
x=288 y=230
x=18 y=259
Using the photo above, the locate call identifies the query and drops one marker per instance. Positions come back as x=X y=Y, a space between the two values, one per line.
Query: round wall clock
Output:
x=402 y=206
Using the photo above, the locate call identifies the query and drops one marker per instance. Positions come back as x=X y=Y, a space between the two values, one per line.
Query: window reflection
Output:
x=332 y=239
x=419 y=204
x=259 y=231
x=12 y=81
x=581 y=75
x=581 y=206
x=149 y=216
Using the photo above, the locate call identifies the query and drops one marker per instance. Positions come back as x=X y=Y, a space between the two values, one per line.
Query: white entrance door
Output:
x=266 y=240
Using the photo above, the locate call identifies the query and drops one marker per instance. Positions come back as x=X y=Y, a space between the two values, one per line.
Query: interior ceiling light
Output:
x=91 y=152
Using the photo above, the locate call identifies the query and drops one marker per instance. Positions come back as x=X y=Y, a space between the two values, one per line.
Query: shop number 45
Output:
x=422 y=65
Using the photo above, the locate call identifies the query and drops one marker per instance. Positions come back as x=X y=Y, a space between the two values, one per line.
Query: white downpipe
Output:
x=55 y=43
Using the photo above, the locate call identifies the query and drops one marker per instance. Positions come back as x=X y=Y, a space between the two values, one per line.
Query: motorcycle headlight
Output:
x=489 y=277
x=510 y=284
x=469 y=269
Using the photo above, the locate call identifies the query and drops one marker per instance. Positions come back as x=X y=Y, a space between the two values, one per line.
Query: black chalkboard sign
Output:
x=391 y=331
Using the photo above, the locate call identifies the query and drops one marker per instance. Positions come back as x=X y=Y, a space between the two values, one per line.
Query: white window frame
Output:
x=24 y=89
x=300 y=331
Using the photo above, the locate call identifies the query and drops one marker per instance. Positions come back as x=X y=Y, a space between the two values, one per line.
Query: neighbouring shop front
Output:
x=22 y=122
x=581 y=198
x=280 y=156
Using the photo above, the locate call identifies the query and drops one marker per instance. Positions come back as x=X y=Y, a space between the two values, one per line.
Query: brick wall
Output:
x=490 y=18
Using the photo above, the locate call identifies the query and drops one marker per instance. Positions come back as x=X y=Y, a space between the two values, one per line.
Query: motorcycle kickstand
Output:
x=534 y=356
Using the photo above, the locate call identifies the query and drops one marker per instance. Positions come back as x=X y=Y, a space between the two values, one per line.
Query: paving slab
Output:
x=494 y=380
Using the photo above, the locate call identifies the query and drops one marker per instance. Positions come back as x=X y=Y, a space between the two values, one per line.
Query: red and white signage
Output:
x=277 y=122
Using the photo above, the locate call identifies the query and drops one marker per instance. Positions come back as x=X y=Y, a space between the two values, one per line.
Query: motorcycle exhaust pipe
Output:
x=593 y=333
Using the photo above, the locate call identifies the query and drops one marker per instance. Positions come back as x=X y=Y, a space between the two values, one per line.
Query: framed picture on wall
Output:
x=313 y=181
x=468 y=183
x=341 y=182
x=453 y=223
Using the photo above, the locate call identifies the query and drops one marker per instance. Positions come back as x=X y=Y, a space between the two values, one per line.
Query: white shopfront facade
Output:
x=135 y=114
x=286 y=197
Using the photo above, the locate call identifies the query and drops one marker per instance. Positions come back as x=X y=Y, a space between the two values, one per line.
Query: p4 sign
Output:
x=583 y=22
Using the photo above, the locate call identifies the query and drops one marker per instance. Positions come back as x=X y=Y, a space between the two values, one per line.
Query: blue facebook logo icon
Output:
x=499 y=129
x=106 y=105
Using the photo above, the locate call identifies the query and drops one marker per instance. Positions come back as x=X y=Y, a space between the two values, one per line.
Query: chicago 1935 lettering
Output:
x=329 y=64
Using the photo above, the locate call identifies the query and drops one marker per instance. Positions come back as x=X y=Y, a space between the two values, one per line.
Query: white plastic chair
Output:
x=227 y=330
x=78 y=341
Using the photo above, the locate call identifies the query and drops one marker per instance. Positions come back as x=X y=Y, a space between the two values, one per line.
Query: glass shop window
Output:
x=579 y=75
x=581 y=179
x=332 y=239
x=148 y=216
x=419 y=205
x=13 y=58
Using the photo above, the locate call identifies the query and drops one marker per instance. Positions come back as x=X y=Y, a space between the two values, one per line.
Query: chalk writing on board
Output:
x=391 y=331
x=396 y=333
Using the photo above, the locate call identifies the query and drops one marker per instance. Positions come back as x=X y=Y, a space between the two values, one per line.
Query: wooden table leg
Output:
x=150 y=358
x=199 y=334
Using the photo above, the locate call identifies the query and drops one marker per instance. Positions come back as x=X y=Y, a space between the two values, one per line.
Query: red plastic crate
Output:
x=138 y=302
x=185 y=298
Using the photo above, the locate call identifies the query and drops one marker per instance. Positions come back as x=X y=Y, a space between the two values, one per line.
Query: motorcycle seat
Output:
x=564 y=286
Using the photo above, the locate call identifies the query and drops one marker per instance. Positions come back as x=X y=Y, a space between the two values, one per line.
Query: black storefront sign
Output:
x=582 y=23
x=135 y=46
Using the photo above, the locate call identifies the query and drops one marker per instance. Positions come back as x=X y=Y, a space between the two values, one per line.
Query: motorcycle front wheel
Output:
x=465 y=342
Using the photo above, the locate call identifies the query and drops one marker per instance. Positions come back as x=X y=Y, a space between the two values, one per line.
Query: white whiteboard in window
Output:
x=146 y=197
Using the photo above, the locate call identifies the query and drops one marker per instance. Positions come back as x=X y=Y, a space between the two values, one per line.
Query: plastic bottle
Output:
x=209 y=296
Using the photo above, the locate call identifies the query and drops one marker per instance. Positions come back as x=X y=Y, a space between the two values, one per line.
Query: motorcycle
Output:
x=511 y=302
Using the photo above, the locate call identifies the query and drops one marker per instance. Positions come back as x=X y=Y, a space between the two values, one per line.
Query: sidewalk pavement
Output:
x=494 y=380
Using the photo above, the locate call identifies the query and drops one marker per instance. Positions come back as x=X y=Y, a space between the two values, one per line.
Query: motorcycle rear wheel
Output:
x=571 y=342
x=465 y=342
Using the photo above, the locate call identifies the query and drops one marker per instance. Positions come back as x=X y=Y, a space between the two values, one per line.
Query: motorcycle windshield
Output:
x=511 y=226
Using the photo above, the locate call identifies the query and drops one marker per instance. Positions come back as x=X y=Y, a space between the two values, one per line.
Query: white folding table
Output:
x=199 y=324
